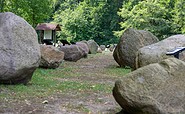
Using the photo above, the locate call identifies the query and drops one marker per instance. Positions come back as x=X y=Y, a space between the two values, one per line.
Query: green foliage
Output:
x=179 y=16
x=109 y=22
x=2 y=4
x=88 y=19
x=162 y=18
x=74 y=23
x=102 y=20
x=151 y=15
x=34 y=11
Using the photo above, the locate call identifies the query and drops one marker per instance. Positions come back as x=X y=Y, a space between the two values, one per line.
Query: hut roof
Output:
x=48 y=26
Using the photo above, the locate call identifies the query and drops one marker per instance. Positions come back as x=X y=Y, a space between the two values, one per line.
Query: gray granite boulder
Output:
x=51 y=57
x=157 y=88
x=156 y=52
x=102 y=47
x=72 y=52
x=93 y=46
x=99 y=50
x=19 y=49
x=112 y=47
x=132 y=40
x=84 y=47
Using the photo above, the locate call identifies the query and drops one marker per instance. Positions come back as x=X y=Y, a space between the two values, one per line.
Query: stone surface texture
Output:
x=157 y=88
x=156 y=52
x=132 y=40
x=51 y=57
x=19 y=49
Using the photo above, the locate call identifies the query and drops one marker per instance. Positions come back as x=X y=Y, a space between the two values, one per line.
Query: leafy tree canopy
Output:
x=179 y=16
x=102 y=20
x=34 y=11
x=162 y=18
x=89 y=19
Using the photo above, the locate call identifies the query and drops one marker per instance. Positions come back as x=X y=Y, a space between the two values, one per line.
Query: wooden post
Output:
x=54 y=37
x=40 y=35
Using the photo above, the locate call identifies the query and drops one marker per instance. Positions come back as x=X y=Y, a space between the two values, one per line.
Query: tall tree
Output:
x=89 y=19
x=38 y=11
x=151 y=15
x=34 y=11
x=78 y=22
x=179 y=16
x=2 y=4
x=109 y=21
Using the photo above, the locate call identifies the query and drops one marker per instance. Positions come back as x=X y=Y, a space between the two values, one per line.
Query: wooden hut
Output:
x=47 y=33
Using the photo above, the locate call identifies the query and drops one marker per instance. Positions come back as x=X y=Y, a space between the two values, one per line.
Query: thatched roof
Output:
x=48 y=26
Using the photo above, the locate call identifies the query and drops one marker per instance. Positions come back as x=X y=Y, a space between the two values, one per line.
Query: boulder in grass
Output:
x=156 y=52
x=72 y=52
x=102 y=47
x=51 y=57
x=153 y=89
x=112 y=47
x=99 y=50
x=84 y=47
x=93 y=46
x=130 y=42
x=19 y=50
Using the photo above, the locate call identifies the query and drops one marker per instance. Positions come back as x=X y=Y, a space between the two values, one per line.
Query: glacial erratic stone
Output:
x=157 y=52
x=51 y=57
x=19 y=49
x=84 y=47
x=93 y=46
x=153 y=89
x=72 y=52
x=130 y=42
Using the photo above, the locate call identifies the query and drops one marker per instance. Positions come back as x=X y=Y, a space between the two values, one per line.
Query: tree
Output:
x=89 y=19
x=151 y=15
x=34 y=11
x=179 y=16
x=38 y=11
x=77 y=21
x=2 y=4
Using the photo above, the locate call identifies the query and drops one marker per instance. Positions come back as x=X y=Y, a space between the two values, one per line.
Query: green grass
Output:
x=46 y=82
x=118 y=71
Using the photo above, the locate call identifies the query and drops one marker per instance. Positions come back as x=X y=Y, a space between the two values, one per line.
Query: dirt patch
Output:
x=92 y=70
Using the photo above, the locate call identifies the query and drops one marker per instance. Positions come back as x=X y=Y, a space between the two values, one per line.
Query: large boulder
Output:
x=19 y=49
x=93 y=46
x=84 y=47
x=51 y=57
x=157 y=88
x=72 y=52
x=130 y=42
x=156 y=52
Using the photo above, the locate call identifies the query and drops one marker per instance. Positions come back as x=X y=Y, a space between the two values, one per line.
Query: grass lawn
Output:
x=95 y=74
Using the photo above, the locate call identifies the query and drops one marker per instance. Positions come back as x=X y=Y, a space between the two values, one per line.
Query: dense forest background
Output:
x=102 y=20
